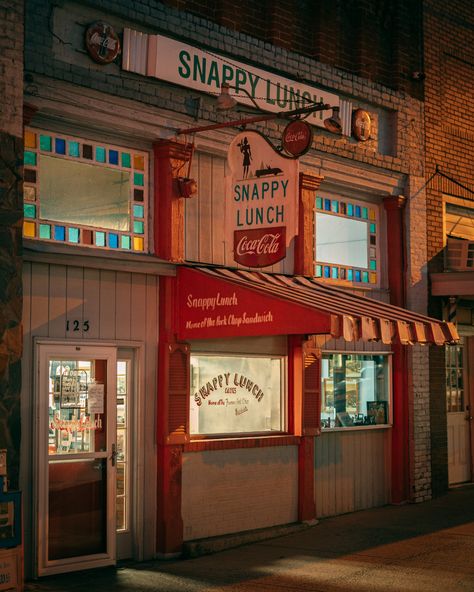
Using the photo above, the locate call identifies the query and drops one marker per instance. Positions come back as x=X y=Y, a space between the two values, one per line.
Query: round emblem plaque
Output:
x=361 y=125
x=297 y=138
x=102 y=42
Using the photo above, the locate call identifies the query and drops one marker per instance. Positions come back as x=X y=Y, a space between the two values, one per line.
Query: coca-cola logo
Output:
x=102 y=43
x=297 y=138
x=260 y=247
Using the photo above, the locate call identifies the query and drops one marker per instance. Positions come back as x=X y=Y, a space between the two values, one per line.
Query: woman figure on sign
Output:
x=247 y=155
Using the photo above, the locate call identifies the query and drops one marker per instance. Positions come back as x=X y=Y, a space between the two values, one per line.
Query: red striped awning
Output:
x=352 y=316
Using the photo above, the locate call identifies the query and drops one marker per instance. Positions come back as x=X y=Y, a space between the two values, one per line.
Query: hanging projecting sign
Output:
x=260 y=201
x=199 y=70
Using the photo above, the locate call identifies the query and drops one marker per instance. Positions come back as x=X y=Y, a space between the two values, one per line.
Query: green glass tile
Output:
x=29 y=210
x=138 y=227
x=335 y=206
x=125 y=242
x=373 y=264
x=45 y=231
x=126 y=160
x=365 y=213
x=319 y=203
x=373 y=228
x=138 y=211
x=73 y=235
x=100 y=154
x=365 y=277
x=319 y=271
x=45 y=143
x=29 y=158
x=100 y=239
x=138 y=179
x=73 y=149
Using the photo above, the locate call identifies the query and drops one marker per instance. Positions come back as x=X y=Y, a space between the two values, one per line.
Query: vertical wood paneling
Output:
x=40 y=304
x=57 y=301
x=123 y=303
x=107 y=305
x=218 y=210
x=91 y=302
x=205 y=208
x=352 y=471
x=191 y=216
x=75 y=300
x=138 y=308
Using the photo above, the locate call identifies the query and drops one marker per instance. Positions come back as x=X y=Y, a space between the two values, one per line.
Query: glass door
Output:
x=78 y=457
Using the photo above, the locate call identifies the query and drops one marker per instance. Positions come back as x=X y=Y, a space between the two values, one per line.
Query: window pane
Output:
x=232 y=394
x=81 y=193
x=341 y=240
x=355 y=390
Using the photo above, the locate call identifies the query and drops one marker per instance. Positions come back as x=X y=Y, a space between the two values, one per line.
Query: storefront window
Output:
x=234 y=394
x=355 y=390
x=346 y=240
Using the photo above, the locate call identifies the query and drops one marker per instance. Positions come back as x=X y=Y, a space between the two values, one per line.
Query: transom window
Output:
x=346 y=240
x=84 y=193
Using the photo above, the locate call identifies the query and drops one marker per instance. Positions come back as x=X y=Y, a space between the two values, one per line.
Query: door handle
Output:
x=113 y=456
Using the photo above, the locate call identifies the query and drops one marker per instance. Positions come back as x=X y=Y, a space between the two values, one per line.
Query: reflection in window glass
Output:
x=454 y=378
x=234 y=394
x=354 y=390
x=123 y=445
x=341 y=240
x=97 y=197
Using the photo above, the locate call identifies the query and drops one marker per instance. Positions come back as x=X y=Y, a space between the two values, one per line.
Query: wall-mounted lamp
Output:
x=225 y=101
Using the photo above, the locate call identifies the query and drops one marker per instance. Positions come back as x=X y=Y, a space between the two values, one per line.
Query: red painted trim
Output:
x=235 y=443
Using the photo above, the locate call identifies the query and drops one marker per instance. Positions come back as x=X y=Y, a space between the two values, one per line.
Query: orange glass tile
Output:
x=29 y=229
x=30 y=140
x=138 y=244
x=373 y=278
x=138 y=162
x=371 y=214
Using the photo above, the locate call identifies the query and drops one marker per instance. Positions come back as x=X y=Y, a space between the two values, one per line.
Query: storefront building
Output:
x=198 y=364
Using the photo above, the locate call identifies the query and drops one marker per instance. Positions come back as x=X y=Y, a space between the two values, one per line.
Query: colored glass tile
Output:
x=30 y=140
x=334 y=273
x=319 y=203
x=45 y=231
x=342 y=207
x=100 y=154
x=87 y=151
x=335 y=206
x=350 y=275
x=350 y=209
x=126 y=160
x=342 y=273
x=60 y=233
x=138 y=179
x=327 y=205
x=138 y=243
x=86 y=237
x=365 y=213
x=373 y=227
x=373 y=278
x=29 y=158
x=138 y=195
x=29 y=229
x=371 y=214
x=60 y=146
x=319 y=271
x=327 y=271
x=357 y=211
x=113 y=156
x=99 y=239
x=45 y=143
x=73 y=235
x=138 y=162
x=113 y=241
x=29 y=175
x=373 y=252
x=29 y=210
x=357 y=275
x=373 y=239
x=29 y=192
x=125 y=242
x=365 y=277
x=73 y=149
x=373 y=264
x=138 y=211
x=138 y=227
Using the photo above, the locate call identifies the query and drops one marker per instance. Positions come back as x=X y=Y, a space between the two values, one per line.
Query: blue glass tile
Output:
x=350 y=209
x=327 y=205
x=138 y=179
x=357 y=275
x=335 y=273
x=365 y=213
x=29 y=210
x=138 y=227
x=357 y=211
x=60 y=233
x=100 y=154
x=335 y=206
x=327 y=271
x=373 y=228
x=125 y=242
x=73 y=235
x=60 y=146
x=100 y=239
x=373 y=264
x=319 y=271
x=113 y=156
x=350 y=275
x=73 y=149
x=365 y=277
x=138 y=211
x=319 y=203
x=113 y=241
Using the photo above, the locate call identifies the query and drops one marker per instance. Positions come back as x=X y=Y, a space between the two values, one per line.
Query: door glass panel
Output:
x=123 y=460
x=454 y=378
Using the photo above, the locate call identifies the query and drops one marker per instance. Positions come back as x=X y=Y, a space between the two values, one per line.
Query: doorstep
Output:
x=215 y=544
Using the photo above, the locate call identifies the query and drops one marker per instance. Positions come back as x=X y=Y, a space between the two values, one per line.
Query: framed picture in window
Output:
x=377 y=412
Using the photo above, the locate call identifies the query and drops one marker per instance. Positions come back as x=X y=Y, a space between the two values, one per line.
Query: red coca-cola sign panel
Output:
x=260 y=247
x=297 y=137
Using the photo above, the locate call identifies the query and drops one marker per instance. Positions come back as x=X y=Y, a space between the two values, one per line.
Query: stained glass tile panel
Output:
x=60 y=146
x=125 y=242
x=126 y=160
x=138 y=211
x=45 y=231
x=29 y=158
x=60 y=233
x=73 y=235
x=138 y=179
x=30 y=140
x=29 y=229
x=74 y=149
x=100 y=154
x=138 y=243
x=29 y=192
x=113 y=156
x=100 y=239
x=45 y=143
x=113 y=241
x=29 y=210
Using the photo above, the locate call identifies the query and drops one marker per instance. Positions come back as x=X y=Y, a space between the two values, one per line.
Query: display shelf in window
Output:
x=346 y=241
x=84 y=193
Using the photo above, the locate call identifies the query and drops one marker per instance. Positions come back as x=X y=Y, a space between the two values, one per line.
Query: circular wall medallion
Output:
x=102 y=43
x=297 y=137
x=361 y=125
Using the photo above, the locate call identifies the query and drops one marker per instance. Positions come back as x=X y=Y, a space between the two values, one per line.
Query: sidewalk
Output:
x=416 y=547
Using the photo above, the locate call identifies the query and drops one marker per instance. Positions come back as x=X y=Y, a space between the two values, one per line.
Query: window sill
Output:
x=384 y=426
x=241 y=442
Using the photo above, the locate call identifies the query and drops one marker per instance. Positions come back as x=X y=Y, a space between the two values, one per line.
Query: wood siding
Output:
x=352 y=471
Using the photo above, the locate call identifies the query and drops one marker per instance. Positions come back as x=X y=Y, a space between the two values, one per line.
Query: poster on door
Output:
x=261 y=201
